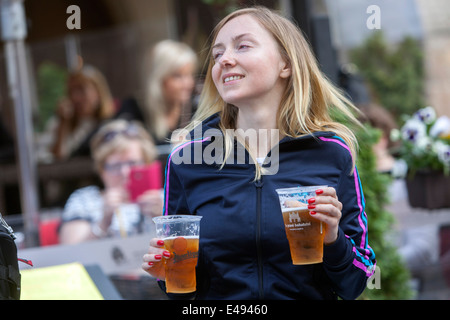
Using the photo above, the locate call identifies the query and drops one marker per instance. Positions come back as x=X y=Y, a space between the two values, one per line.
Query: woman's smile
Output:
x=232 y=78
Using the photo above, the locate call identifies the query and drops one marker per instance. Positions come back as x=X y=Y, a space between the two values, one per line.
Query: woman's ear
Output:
x=286 y=70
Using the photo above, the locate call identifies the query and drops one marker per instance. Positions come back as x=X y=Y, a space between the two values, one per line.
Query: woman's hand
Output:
x=327 y=208
x=65 y=109
x=112 y=199
x=151 y=203
x=153 y=259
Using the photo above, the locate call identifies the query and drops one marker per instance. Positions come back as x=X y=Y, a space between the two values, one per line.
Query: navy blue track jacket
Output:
x=244 y=252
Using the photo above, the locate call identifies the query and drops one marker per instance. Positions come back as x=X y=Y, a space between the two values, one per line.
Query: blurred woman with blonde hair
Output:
x=169 y=86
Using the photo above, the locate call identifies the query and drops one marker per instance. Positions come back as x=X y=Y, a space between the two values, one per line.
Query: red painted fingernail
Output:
x=160 y=242
x=150 y=264
x=313 y=212
x=319 y=191
x=158 y=256
x=311 y=200
x=311 y=206
x=166 y=254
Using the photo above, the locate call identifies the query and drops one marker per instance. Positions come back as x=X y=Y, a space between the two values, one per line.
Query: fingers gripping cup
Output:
x=304 y=233
x=181 y=238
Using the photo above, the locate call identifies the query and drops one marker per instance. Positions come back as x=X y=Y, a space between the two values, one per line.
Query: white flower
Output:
x=424 y=144
x=427 y=115
x=399 y=169
x=395 y=135
x=426 y=141
x=443 y=152
x=413 y=130
x=441 y=126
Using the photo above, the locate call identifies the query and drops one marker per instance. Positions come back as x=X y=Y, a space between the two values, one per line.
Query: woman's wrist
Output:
x=98 y=231
x=101 y=228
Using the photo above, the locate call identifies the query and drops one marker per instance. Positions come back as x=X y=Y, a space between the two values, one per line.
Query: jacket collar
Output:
x=212 y=122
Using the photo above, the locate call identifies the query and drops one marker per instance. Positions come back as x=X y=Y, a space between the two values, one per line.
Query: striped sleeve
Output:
x=350 y=261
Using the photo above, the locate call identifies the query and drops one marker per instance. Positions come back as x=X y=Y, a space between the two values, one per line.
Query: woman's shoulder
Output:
x=335 y=142
x=85 y=193
x=336 y=148
x=83 y=203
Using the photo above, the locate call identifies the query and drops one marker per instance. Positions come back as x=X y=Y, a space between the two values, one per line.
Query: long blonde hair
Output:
x=165 y=58
x=309 y=96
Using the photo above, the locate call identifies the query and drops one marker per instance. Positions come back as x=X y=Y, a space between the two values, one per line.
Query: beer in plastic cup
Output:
x=304 y=233
x=181 y=238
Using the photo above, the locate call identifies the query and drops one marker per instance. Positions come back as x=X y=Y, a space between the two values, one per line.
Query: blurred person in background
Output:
x=92 y=213
x=88 y=103
x=380 y=118
x=419 y=245
x=170 y=84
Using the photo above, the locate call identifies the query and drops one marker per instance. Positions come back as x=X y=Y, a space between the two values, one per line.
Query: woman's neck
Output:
x=259 y=127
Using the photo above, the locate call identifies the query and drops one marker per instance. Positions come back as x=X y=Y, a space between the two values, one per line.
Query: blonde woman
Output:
x=88 y=103
x=92 y=213
x=263 y=78
x=170 y=82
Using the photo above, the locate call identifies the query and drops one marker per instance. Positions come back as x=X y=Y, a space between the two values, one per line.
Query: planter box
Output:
x=429 y=190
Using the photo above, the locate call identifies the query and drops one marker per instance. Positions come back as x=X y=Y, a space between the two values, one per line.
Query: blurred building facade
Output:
x=425 y=20
x=435 y=17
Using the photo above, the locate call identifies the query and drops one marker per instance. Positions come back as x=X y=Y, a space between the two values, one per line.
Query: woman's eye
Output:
x=217 y=55
x=243 y=46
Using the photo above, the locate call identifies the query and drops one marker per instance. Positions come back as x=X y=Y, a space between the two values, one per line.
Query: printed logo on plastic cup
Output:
x=183 y=248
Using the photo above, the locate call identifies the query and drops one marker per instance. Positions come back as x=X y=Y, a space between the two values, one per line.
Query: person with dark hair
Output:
x=78 y=116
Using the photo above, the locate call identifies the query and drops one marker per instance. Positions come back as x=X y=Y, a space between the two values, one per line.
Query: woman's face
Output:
x=178 y=86
x=84 y=97
x=248 y=65
x=116 y=169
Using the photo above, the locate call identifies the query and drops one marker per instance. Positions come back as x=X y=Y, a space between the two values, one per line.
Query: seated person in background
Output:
x=88 y=104
x=380 y=118
x=91 y=213
x=416 y=245
x=169 y=89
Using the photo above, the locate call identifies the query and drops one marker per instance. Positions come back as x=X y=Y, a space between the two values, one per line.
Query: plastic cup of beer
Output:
x=304 y=233
x=181 y=238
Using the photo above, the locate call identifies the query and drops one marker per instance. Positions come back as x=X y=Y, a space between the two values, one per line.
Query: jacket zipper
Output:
x=259 y=185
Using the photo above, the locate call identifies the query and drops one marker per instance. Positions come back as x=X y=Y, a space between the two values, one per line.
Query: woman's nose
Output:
x=227 y=59
x=125 y=170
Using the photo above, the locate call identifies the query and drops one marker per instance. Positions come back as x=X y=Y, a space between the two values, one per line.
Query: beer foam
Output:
x=186 y=237
x=293 y=205
x=294 y=209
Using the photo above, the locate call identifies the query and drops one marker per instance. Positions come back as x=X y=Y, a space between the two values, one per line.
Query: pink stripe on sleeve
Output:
x=168 y=168
x=358 y=193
